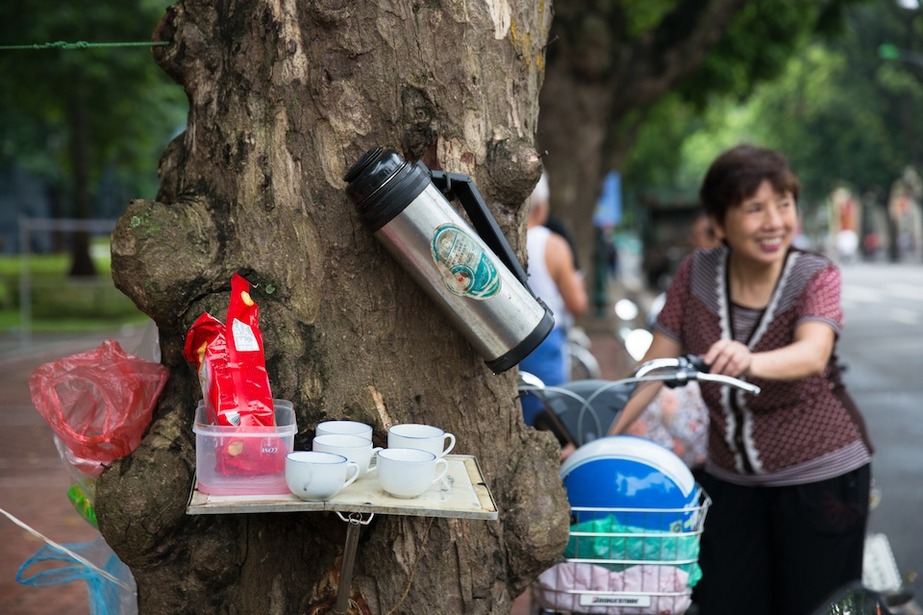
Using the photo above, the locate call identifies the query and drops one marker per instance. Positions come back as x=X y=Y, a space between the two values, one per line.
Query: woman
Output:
x=788 y=471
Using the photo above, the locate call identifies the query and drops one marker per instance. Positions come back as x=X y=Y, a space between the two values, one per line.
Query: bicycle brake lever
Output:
x=697 y=363
x=680 y=379
x=702 y=371
x=686 y=371
x=688 y=368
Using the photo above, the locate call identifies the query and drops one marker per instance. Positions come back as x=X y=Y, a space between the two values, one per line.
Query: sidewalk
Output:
x=33 y=478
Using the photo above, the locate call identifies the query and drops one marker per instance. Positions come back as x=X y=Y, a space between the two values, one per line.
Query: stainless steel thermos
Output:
x=473 y=276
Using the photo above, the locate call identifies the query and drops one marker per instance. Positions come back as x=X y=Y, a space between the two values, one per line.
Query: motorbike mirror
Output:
x=531 y=380
x=626 y=309
x=637 y=342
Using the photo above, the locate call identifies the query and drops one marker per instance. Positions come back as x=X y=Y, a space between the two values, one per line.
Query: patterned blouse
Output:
x=793 y=432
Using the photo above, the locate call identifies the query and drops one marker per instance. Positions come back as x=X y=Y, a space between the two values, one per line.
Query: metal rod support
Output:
x=345 y=583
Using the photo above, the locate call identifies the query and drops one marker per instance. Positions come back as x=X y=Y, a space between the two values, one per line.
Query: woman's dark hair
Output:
x=736 y=175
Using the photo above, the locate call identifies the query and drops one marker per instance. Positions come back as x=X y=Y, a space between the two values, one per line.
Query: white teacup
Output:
x=354 y=448
x=315 y=475
x=421 y=437
x=349 y=428
x=409 y=472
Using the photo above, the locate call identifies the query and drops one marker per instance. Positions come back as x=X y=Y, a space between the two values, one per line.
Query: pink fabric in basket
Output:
x=555 y=583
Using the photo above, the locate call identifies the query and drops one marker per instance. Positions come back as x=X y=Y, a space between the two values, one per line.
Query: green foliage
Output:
x=92 y=300
x=758 y=43
x=643 y=15
x=61 y=303
x=654 y=159
x=634 y=46
x=133 y=107
x=841 y=113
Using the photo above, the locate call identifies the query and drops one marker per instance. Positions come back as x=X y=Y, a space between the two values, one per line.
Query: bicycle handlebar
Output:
x=581 y=410
x=690 y=367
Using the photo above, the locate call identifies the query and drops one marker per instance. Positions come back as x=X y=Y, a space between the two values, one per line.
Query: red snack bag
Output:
x=231 y=366
x=231 y=363
x=246 y=359
x=206 y=347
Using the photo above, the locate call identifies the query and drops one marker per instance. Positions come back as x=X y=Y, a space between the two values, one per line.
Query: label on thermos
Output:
x=466 y=268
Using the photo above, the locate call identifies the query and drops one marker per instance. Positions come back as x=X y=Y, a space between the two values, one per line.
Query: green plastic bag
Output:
x=608 y=543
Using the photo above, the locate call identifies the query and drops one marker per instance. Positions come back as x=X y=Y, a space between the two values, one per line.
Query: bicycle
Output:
x=582 y=362
x=621 y=559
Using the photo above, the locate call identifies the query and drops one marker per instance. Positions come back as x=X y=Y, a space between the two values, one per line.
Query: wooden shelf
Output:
x=462 y=494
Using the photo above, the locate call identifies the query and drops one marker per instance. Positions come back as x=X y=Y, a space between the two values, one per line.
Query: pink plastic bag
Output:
x=98 y=402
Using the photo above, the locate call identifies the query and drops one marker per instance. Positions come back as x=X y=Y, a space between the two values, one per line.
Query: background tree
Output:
x=609 y=62
x=284 y=97
x=71 y=115
x=843 y=115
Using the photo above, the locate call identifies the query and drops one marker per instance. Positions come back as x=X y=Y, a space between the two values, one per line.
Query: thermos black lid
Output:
x=381 y=184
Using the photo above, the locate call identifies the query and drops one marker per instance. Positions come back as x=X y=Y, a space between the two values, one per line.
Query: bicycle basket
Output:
x=617 y=568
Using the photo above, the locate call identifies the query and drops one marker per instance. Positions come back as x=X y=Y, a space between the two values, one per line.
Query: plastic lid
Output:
x=371 y=172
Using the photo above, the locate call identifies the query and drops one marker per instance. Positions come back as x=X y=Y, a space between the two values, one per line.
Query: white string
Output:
x=82 y=560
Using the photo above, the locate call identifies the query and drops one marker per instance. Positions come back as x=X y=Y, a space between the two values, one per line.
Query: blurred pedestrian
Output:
x=555 y=280
x=847 y=245
x=788 y=471
x=702 y=235
x=558 y=226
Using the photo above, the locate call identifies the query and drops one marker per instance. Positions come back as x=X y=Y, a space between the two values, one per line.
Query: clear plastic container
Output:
x=244 y=460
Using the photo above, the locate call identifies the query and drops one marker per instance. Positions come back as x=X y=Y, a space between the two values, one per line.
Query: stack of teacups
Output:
x=342 y=451
x=412 y=463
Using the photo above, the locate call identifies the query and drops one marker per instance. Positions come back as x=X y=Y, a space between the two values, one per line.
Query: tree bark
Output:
x=284 y=97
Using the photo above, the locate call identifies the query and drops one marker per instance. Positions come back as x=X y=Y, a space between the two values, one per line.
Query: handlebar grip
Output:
x=730 y=380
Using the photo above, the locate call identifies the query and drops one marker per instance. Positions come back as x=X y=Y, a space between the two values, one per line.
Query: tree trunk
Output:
x=81 y=262
x=574 y=116
x=598 y=74
x=284 y=97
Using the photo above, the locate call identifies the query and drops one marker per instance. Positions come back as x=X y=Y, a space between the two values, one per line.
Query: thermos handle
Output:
x=463 y=187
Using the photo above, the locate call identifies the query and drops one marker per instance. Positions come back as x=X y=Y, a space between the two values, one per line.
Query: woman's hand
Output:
x=729 y=358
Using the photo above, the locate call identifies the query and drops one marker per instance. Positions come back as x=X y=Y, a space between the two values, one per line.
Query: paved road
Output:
x=883 y=346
